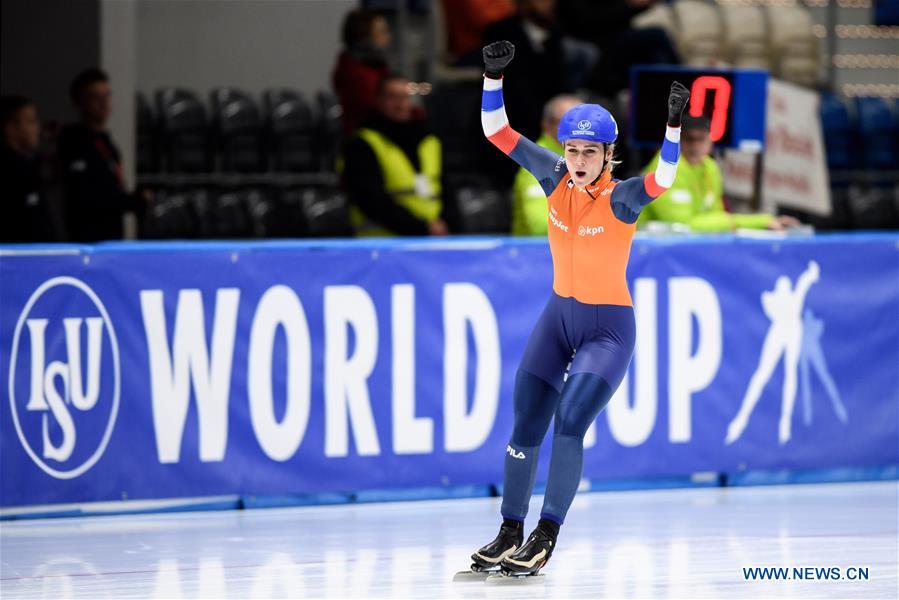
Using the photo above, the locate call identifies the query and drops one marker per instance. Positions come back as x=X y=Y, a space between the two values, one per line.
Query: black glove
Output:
x=677 y=102
x=497 y=57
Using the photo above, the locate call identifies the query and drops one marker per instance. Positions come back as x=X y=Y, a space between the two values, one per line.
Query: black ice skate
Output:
x=533 y=556
x=487 y=560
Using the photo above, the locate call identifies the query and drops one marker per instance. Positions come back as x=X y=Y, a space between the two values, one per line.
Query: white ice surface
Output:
x=690 y=543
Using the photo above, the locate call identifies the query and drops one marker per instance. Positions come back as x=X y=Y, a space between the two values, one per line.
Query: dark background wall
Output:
x=45 y=43
x=251 y=44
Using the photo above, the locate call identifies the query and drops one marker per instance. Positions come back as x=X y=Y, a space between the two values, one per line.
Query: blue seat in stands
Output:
x=876 y=131
x=838 y=131
x=896 y=129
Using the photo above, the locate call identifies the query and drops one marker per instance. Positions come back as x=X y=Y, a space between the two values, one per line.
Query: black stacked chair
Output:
x=147 y=140
x=183 y=121
x=330 y=130
x=320 y=211
x=221 y=213
x=873 y=207
x=291 y=130
x=262 y=213
x=841 y=210
x=475 y=207
x=269 y=216
x=213 y=176
x=238 y=130
x=170 y=217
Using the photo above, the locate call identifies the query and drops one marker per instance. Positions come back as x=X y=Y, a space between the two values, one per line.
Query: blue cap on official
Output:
x=588 y=122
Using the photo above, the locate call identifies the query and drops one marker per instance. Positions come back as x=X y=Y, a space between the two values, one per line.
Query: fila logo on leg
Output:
x=515 y=453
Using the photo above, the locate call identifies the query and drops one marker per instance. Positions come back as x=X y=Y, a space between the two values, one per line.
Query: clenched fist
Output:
x=497 y=57
x=677 y=102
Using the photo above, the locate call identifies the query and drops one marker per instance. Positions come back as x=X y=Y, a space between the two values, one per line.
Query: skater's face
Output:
x=585 y=160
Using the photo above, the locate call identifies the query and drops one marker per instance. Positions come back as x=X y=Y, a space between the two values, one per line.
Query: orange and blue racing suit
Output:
x=582 y=344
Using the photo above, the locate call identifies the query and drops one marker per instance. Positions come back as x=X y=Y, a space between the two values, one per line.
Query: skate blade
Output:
x=500 y=579
x=471 y=576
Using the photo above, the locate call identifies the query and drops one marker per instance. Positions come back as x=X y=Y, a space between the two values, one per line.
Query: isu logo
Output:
x=584 y=125
x=64 y=377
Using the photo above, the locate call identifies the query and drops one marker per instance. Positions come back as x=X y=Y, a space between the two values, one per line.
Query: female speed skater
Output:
x=589 y=318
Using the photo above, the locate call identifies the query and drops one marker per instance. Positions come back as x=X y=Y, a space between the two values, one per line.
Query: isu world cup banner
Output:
x=154 y=371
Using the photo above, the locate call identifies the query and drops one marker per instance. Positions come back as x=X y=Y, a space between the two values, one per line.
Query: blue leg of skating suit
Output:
x=534 y=403
x=583 y=398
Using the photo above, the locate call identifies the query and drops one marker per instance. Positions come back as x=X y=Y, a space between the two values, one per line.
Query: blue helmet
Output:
x=588 y=122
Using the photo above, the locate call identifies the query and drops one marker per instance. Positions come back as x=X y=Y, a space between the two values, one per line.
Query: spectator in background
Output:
x=695 y=199
x=393 y=169
x=466 y=21
x=620 y=45
x=93 y=182
x=24 y=216
x=361 y=66
x=538 y=71
x=529 y=206
x=537 y=74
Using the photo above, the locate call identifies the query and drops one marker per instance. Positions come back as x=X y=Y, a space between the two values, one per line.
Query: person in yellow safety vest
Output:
x=696 y=197
x=529 y=207
x=392 y=169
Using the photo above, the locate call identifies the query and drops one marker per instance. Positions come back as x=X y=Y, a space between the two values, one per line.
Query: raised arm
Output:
x=806 y=280
x=544 y=164
x=630 y=196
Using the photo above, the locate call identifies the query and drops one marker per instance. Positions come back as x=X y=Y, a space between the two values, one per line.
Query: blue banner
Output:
x=148 y=371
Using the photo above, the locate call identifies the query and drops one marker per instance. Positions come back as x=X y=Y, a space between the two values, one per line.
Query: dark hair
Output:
x=701 y=122
x=357 y=26
x=10 y=107
x=84 y=79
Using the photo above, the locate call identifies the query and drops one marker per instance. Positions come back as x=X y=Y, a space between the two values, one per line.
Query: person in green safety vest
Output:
x=529 y=206
x=696 y=197
x=392 y=169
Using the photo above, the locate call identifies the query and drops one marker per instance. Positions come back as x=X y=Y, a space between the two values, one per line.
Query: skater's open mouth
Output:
x=580 y=173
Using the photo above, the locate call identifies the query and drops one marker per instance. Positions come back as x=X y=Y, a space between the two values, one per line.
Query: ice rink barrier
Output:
x=163 y=371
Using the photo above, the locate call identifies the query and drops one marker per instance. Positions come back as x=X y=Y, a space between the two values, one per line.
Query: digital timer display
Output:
x=733 y=99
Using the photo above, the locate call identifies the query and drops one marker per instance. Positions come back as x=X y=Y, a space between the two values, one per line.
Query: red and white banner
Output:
x=795 y=173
